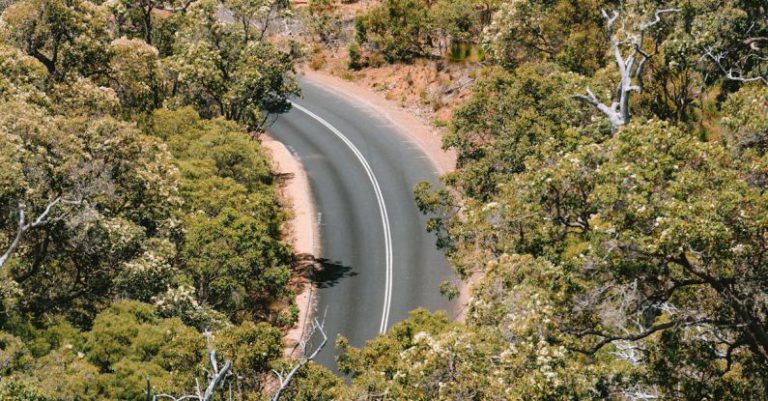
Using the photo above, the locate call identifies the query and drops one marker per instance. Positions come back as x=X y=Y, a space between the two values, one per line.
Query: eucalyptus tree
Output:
x=67 y=37
x=732 y=37
x=222 y=70
x=630 y=64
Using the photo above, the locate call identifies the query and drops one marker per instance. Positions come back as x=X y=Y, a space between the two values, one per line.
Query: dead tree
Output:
x=218 y=375
x=283 y=377
x=631 y=67
x=216 y=378
x=736 y=72
x=24 y=227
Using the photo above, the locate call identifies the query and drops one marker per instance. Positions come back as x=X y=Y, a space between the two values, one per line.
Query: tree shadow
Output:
x=329 y=273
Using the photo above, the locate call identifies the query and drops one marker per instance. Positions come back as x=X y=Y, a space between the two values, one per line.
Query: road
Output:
x=378 y=261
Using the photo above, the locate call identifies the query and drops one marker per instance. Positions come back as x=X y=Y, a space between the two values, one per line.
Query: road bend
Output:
x=377 y=261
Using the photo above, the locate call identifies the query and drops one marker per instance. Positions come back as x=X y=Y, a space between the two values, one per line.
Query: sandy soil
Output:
x=301 y=231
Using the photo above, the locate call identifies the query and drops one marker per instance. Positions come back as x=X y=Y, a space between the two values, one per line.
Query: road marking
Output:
x=382 y=212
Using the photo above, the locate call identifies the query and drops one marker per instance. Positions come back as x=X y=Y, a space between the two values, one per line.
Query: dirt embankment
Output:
x=301 y=231
x=431 y=89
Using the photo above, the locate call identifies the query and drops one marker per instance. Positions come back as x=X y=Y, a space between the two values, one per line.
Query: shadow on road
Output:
x=329 y=273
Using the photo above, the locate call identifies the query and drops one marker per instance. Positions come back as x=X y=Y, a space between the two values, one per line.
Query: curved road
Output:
x=378 y=261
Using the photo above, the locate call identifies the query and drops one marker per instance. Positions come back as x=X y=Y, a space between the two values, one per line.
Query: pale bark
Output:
x=24 y=227
x=737 y=73
x=218 y=375
x=631 y=67
x=283 y=377
x=216 y=378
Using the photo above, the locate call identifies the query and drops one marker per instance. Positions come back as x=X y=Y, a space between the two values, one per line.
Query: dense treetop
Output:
x=609 y=193
x=618 y=261
x=137 y=211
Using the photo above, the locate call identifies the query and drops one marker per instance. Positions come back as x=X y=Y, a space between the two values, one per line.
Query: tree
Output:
x=125 y=182
x=399 y=30
x=219 y=376
x=732 y=37
x=657 y=236
x=25 y=226
x=231 y=248
x=457 y=21
x=306 y=354
x=21 y=76
x=532 y=31
x=136 y=76
x=745 y=120
x=66 y=37
x=324 y=22
x=510 y=118
x=254 y=15
x=222 y=71
x=630 y=67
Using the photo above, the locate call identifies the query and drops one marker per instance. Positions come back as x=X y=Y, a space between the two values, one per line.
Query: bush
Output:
x=399 y=30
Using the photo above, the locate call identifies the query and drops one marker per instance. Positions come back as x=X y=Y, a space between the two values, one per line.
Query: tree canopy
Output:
x=136 y=216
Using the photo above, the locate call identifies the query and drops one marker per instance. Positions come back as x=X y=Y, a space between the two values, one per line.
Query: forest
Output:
x=608 y=206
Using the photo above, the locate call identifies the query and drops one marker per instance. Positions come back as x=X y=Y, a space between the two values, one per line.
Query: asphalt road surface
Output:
x=378 y=261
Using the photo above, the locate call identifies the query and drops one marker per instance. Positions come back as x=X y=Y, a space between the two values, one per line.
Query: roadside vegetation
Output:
x=140 y=223
x=609 y=199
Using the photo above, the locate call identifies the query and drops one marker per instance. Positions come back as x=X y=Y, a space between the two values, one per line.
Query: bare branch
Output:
x=630 y=68
x=731 y=73
x=285 y=379
x=24 y=227
x=184 y=6
x=657 y=17
x=754 y=43
x=610 y=338
x=215 y=378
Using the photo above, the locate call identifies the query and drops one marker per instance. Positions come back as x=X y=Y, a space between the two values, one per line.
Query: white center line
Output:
x=382 y=211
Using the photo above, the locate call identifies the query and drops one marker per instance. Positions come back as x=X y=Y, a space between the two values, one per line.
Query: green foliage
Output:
x=404 y=30
x=135 y=68
x=514 y=117
x=15 y=391
x=127 y=343
x=324 y=22
x=725 y=28
x=355 y=57
x=611 y=267
x=128 y=187
x=644 y=248
x=397 y=29
x=153 y=225
x=315 y=383
x=457 y=19
x=21 y=76
x=565 y=32
x=231 y=248
x=68 y=37
x=746 y=120
x=253 y=349
x=222 y=71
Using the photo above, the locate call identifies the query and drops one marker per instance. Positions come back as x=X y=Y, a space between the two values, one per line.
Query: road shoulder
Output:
x=301 y=232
